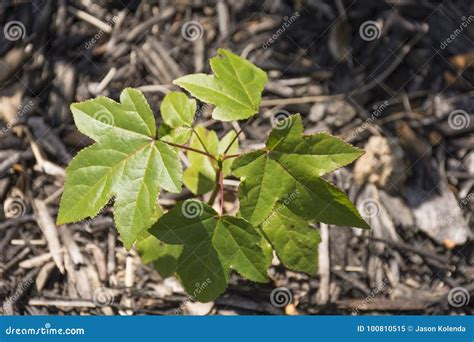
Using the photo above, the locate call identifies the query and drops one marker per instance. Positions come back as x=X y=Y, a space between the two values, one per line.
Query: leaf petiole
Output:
x=228 y=156
x=200 y=140
x=221 y=185
x=215 y=191
x=189 y=149
x=237 y=135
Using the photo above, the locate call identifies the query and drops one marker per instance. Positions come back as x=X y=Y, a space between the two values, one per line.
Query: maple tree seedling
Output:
x=281 y=193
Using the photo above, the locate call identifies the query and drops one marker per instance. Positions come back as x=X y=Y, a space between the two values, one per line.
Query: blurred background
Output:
x=394 y=77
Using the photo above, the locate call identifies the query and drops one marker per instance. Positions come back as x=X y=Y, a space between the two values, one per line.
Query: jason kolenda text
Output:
x=440 y=328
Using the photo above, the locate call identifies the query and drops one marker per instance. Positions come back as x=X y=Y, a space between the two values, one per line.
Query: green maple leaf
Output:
x=177 y=112
x=213 y=245
x=235 y=88
x=179 y=135
x=281 y=189
x=200 y=176
x=292 y=163
x=164 y=257
x=295 y=242
x=126 y=162
x=282 y=192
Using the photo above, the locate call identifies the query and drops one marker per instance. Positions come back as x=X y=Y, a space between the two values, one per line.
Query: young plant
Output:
x=281 y=190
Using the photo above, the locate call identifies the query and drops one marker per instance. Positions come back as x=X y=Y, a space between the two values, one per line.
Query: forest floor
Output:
x=392 y=77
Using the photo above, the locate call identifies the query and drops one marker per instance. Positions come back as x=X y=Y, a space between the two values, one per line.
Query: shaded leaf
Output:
x=295 y=242
x=290 y=167
x=164 y=257
x=212 y=245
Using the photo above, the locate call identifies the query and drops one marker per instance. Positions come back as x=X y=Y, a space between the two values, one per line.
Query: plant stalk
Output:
x=237 y=135
x=215 y=191
x=189 y=149
x=200 y=140
x=228 y=156
x=221 y=182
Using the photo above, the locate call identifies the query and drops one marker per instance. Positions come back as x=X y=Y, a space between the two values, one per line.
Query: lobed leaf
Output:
x=125 y=163
x=164 y=257
x=235 y=88
x=282 y=191
x=213 y=245
x=295 y=242
x=177 y=110
x=308 y=155
x=290 y=166
x=102 y=118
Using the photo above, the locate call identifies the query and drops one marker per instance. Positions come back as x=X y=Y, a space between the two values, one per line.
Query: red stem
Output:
x=189 y=148
x=200 y=140
x=221 y=182
x=228 y=156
